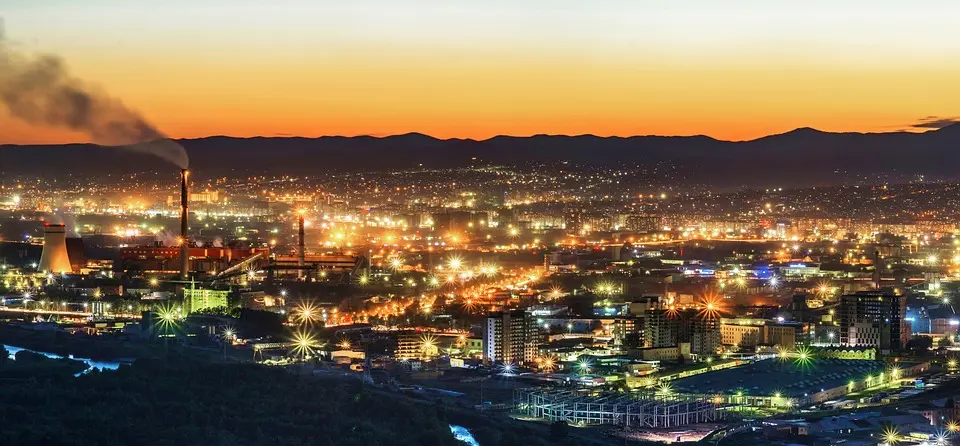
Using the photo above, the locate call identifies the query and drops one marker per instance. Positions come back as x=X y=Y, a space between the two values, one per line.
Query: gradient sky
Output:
x=732 y=69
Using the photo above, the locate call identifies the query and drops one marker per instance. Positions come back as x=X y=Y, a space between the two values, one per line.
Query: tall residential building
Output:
x=704 y=334
x=668 y=328
x=661 y=328
x=511 y=337
x=628 y=332
x=873 y=319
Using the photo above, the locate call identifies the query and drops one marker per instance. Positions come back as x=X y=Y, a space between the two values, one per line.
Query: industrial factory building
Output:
x=167 y=259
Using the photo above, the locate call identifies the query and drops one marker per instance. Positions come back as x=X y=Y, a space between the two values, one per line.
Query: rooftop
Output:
x=789 y=378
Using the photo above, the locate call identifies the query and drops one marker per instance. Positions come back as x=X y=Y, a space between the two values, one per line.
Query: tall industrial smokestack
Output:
x=301 y=245
x=876 y=268
x=54 y=257
x=184 y=240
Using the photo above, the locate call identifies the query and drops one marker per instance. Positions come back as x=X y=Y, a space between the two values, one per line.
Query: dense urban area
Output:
x=547 y=303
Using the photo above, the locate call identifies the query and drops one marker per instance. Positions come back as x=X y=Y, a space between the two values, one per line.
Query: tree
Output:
x=944 y=342
x=919 y=344
x=213 y=311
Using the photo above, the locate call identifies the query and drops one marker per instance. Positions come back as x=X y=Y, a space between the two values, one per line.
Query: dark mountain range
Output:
x=800 y=157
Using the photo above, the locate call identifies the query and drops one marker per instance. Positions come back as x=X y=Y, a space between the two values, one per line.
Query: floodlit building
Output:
x=749 y=332
x=196 y=299
x=510 y=337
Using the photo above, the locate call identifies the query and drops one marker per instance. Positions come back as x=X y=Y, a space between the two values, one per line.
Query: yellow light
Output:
x=891 y=436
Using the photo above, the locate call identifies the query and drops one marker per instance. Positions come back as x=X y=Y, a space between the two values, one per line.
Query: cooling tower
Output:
x=54 y=258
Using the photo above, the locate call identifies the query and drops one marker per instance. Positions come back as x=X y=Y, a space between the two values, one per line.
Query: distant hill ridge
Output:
x=798 y=157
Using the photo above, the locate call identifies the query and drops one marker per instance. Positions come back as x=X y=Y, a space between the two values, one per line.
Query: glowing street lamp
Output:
x=891 y=435
x=584 y=365
x=396 y=263
x=303 y=344
x=455 y=263
x=664 y=389
x=548 y=364
x=306 y=313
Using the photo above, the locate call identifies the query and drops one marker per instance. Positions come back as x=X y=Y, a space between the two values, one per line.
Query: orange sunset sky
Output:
x=730 y=69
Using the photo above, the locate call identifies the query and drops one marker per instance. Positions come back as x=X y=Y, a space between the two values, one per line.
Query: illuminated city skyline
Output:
x=738 y=71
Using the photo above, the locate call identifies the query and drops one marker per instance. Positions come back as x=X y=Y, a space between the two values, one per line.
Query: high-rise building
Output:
x=661 y=328
x=511 y=337
x=704 y=334
x=628 y=332
x=873 y=319
x=668 y=328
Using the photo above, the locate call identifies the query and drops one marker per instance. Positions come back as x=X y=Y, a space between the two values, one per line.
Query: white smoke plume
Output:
x=69 y=222
x=167 y=238
x=38 y=88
